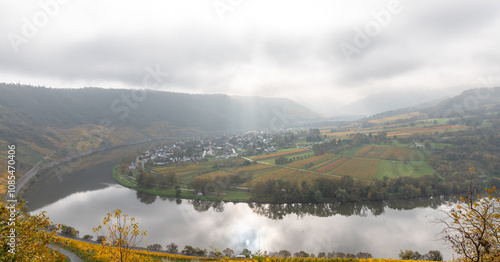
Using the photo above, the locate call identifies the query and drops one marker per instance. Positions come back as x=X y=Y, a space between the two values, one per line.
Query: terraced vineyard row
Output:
x=333 y=165
x=286 y=153
x=278 y=174
x=362 y=168
x=252 y=168
x=314 y=160
x=385 y=152
x=330 y=160
x=213 y=175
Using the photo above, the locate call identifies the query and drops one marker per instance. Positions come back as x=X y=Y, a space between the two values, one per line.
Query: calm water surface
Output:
x=81 y=194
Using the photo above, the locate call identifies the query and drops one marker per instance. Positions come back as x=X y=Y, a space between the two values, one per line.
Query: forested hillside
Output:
x=41 y=121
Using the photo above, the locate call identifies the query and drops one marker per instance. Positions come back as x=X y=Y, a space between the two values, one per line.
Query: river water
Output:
x=82 y=192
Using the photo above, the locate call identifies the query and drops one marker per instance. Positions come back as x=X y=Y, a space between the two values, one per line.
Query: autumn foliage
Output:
x=280 y=154
x=32 y=234
x=472 y=227
x=121 y=233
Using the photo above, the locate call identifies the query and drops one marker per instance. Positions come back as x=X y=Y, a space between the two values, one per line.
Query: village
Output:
x=217 y=148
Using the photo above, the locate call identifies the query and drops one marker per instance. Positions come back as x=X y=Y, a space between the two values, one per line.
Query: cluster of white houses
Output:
x=199 y=149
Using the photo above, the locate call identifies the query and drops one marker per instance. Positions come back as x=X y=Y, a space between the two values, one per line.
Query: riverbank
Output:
x=223 y=195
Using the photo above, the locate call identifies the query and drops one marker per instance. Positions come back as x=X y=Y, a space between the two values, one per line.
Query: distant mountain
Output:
x=393 y=100
x=42 y=120
x=467 y=102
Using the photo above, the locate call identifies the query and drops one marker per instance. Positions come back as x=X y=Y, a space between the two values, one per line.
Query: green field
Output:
x=352 y=151
x=393 y=169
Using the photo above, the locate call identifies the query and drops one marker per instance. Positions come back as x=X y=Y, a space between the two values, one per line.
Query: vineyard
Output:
x=362 y=168
x=397 y=153
x=252 y=168
x=281 y=173
x=327 y=161
x=328 y=167
x=99 y=253
x=385 y=152
x=315 y=259
x=394 y=118
x=448 y=127
x=317 y=159
x=213 y=175
x=286 y=153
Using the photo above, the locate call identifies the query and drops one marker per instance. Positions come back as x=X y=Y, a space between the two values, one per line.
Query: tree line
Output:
x=346 y=189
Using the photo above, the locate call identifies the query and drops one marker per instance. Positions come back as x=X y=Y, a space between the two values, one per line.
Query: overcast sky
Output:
x=319 y=53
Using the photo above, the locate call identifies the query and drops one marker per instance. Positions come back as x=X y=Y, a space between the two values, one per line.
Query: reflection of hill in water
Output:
x=89 y=173
x=280 y=211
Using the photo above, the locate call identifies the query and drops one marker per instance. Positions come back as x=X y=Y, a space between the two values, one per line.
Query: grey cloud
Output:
x=445 y=19
x=208 y=56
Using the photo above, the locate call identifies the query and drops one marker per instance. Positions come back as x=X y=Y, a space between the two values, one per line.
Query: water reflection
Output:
x=280 y=211
x=377 y=228
x=146 y=198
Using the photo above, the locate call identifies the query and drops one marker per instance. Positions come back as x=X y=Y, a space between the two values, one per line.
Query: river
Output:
x=82 y=192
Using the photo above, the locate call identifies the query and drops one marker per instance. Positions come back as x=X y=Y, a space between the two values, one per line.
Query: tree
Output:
x=121 y=232
x=284 y=253
x=25 y=237
x=364 y=255
x=171 y=178
x=154 y=247
x=189 y=250
x=70 y=231
x=87 y=237
x=146 y=180
x=340 y=254
x=472 y=227
x=410 y=255
x=101 y=239
x=301 y=254
x=172 y=247
x=228 y=252
x=433 y=255
x=247 y=253
x=215 y=252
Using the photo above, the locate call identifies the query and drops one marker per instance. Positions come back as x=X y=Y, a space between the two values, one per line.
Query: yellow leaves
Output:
x=120 y=234
x=31 y=235
x=101 y=253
